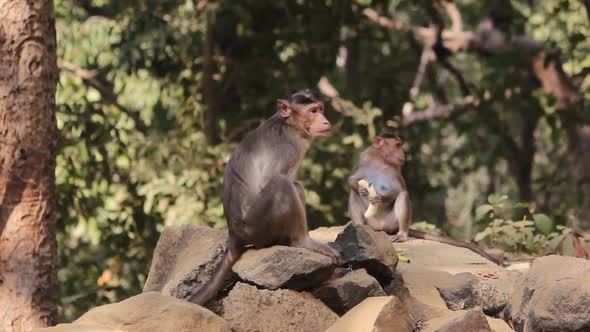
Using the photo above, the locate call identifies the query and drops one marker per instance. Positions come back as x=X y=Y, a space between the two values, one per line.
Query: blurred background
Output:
x=491 y=98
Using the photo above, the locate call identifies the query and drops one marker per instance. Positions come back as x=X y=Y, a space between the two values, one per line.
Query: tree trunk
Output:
x=28 y=250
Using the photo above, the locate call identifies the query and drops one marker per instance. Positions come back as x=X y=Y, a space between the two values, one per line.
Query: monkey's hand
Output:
x=363 y=191
x=374 y=199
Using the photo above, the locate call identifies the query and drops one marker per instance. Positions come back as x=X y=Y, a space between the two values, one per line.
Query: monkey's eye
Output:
x=314 y=110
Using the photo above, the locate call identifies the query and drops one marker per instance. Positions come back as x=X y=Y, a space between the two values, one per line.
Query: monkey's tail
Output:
x=230 y=256
x=457 y=243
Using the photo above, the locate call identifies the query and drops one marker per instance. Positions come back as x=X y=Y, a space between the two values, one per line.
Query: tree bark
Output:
x=28 y=141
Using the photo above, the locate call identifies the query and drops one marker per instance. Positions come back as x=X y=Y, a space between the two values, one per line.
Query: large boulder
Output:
x=250 y=309
x=553 y=296
x=185 y=258
x=344 y=293
x=362 y=247
x=444 y=257
x=450 y=277
x=284 y=267
x=149 y=311
x=376 y=314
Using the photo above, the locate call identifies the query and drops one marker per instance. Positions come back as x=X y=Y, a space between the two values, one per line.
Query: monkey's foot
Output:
x=399 y=237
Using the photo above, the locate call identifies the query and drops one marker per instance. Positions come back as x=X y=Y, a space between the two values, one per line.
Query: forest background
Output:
x=491 y=98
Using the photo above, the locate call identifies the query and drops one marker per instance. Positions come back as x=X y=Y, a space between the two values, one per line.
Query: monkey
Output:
x=263 y=205
x=380 y=165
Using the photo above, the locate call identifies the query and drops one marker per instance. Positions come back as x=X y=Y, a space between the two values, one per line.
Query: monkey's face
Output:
x=318 y=124
x=391 y=150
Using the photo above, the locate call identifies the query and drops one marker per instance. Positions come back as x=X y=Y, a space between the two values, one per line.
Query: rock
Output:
x=185 y=257
x=362 y=247
x=284 y=267
x=467 y=291
x=446 y=276
x=375 y=314
x=498 y=325
x=443 y=257
x=76 y=328
x=553 y=296
x=344 y=293
x=522 y=267
x=470 y=320
x=250 y=309
x=149 y=311
x=326 y=234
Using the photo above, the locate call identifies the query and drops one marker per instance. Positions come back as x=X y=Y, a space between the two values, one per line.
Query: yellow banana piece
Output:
x=372 y=209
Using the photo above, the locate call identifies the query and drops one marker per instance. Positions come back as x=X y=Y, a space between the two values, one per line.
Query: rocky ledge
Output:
x=282 y=289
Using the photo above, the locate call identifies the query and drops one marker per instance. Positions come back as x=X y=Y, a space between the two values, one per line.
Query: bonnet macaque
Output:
x=263 y=204
x=380 y=199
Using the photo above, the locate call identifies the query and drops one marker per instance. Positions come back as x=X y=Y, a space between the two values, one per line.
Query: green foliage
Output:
x=517 y=236
x=137 y=153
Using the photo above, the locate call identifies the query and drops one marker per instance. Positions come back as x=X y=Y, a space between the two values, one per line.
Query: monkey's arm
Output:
x=356 y=208
x=353 y=181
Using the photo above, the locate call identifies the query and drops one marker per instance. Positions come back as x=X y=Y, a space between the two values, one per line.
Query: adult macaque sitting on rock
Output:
x=379 y=197
x=263 y=204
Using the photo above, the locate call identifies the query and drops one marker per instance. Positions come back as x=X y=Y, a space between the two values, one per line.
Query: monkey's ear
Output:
x=283 y=108
x=378 y=142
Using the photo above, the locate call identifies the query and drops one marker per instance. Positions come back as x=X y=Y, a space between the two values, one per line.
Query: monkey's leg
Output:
x=356 y=208
x=233 y=251
x=278 y=217
x=401 y=216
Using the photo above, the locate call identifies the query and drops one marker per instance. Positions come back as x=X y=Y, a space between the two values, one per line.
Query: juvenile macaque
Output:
x=380 y=166
x=263 y=204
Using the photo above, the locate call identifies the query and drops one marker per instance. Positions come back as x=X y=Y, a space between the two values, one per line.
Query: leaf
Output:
x=483 y=210
x=543 y=223
x=364 y=2
x=483 y=234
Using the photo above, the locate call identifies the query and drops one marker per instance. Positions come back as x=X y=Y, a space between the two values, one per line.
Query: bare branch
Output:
x=425 y=57
x=389 y=23
x=436 y=111
x=489 y=40
x=340 y=105
x=454 y=15
x=92 y=79
x=458 y=76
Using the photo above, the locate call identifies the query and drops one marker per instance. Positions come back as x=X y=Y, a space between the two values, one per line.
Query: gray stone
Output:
x=376 y=314
x=459 y=321
x=250 y=309
x=554 y=295
x=149 y=311
x=362 y=247
x=185 y=258
x=284 y=267
x=344 y=293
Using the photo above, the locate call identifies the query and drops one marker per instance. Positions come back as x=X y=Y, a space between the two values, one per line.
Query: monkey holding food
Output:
x=263 y=204
x=380 y=199
x=380 y=166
